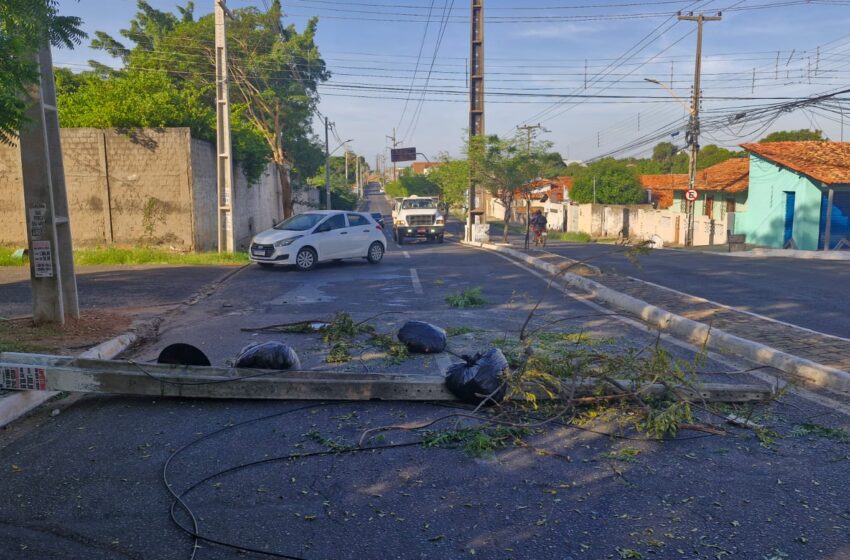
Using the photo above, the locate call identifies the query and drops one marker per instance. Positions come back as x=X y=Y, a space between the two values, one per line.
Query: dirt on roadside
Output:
x=92 y=328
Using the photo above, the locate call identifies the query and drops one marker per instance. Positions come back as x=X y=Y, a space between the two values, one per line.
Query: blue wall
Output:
x=764 y=220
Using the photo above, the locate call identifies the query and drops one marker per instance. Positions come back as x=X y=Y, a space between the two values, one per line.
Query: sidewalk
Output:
x=821 y=349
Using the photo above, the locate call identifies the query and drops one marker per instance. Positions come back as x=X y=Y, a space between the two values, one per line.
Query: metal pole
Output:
x=694 y=120
x=327 y=168
x=358 y=182
x=346 y=165
x=224 y=159
x=54 y=286
x=827 y=234
x=476 y=92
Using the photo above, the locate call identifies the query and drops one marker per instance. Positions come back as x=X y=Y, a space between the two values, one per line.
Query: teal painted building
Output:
x=798 y=191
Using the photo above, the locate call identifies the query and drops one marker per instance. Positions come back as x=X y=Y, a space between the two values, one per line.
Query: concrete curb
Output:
x=692 y=331
x=20 y=403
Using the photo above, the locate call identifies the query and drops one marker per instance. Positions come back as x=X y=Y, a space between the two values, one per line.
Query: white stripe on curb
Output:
x=17 y=404
x=692 y=331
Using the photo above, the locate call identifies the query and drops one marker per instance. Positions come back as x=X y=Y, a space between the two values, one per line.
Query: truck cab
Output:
x=417 y=217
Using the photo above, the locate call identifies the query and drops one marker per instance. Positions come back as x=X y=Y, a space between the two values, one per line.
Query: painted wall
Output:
x=719 y=206
x=764 y=220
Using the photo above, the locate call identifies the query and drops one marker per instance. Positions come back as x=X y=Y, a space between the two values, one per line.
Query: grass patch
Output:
x=133 y=255
x=570 y=236
x=458 y=331
x=625 y=455
x=470 y=297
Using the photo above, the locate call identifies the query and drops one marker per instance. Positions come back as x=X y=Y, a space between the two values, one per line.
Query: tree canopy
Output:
x=615 y=183
x=25 y=25
x=168 y=79
x=793 y=136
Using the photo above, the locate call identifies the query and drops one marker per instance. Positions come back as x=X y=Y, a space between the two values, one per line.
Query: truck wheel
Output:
x=440 y=238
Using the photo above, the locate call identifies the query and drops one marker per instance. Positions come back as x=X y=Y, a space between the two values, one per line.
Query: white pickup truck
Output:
x=417 y=217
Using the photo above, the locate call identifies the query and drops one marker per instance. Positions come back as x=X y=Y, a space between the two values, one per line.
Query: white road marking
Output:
x=733 y=364
x=417 y=285
x=406 y=254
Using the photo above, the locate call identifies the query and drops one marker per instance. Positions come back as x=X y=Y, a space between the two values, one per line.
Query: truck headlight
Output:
x=285 y=242
x=439 y=221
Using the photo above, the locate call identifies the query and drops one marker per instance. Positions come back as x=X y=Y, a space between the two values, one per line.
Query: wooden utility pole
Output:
x=476 y=92
x=327 y=168
x=224 y=154
x=54 y=286
x=693 y=125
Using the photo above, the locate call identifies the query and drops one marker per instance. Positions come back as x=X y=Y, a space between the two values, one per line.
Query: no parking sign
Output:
x=691 y=195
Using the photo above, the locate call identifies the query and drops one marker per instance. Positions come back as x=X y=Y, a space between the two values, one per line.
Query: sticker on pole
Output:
x=42 y=259
x=691 y=195
x=22 y=378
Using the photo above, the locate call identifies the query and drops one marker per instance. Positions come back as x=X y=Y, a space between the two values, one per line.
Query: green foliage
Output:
x=476 y=442
x=409 y=183
x=458 y=331
x=616 y=183
x=274 y=69
x=396 y=350
x=471 y=297
x=24 y=24
x=343 y=328
x=452 y=179
x=570 y=236
x=812 y=429
x=144 y=255
x=794 y=136
x=339 y=353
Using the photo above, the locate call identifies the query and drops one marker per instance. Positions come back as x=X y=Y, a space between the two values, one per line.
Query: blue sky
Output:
x=542 y=47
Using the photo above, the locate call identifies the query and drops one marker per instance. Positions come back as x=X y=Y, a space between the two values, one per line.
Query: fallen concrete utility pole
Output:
x=57 y=373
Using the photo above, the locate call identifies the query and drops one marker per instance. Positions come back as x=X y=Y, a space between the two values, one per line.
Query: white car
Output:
x=322 y=235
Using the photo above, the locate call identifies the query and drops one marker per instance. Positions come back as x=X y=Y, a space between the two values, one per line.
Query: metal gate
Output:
x=840 y=227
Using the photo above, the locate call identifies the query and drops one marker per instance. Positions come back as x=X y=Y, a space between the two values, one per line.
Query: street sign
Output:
x=691 y=195
x=402 y=154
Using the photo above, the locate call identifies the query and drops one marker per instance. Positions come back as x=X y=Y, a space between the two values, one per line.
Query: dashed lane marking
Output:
x=417 y=285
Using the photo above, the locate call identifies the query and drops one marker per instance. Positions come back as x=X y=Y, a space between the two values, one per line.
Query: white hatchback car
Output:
x=317 y=236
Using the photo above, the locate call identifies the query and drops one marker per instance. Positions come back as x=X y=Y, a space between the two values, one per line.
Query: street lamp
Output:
x=692 y=140
x=328 y=171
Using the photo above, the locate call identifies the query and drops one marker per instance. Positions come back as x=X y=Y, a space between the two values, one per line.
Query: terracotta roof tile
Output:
x=731 y=175
x=419 y=167
x=828 y=162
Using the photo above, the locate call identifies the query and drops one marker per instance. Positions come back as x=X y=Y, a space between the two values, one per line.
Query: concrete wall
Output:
x=764 y=220
x=149 y=185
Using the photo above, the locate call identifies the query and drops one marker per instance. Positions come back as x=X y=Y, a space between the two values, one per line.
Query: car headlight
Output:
x=285 y=242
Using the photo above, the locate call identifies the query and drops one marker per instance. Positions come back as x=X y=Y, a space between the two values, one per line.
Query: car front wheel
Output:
x=376 y=253
x=305 y=259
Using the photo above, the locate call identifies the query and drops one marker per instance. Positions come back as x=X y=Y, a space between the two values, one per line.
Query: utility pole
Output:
x=224 y=159
x=359 y=181
x=528 y=128
x=476 y=92
x=327 y=168
x=693 y=125
x=346 y=165
x=395 y=144
x=54 y=286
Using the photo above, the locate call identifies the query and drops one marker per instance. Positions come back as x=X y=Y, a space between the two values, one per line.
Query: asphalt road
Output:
x=88 y=482
x=808 y=293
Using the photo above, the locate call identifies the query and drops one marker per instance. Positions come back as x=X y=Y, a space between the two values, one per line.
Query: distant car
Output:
x=378 y=217
x=323 y=235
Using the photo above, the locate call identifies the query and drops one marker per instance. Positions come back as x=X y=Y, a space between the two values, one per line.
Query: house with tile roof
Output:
x=798 y=191
x=722 y=189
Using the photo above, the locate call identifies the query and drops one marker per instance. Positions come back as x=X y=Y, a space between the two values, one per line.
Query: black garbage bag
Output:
x=267 y=355
x=478 y=375
x=423 y=338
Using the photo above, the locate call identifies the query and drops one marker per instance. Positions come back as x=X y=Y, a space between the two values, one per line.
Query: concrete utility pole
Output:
x=327 y=168
x=476 y=92
x=54 y=286
x=528 y=128
x=395 y=145
x=224 y=154
x=359 y=179
x=693 y=126
x=346 y=164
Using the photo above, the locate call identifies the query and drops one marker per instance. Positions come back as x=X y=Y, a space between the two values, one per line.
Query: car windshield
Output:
x=301 y=222
x=377 y=215
x=418 y=203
